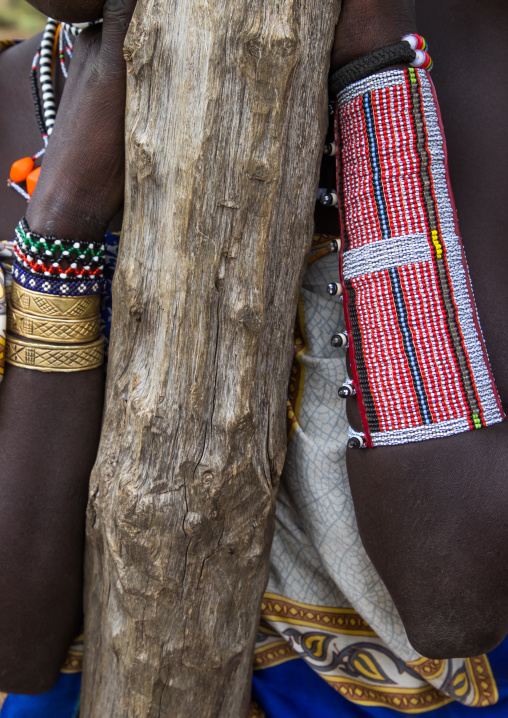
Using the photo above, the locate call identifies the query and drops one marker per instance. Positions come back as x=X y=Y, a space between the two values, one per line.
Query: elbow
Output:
x=456 y=640
x=30 y=679
x=30 y=667
x=455 y=626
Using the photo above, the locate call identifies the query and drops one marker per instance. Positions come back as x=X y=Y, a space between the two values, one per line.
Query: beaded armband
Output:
x=418 y=357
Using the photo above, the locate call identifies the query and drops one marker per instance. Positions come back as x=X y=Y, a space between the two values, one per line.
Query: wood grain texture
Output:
x=227 y=112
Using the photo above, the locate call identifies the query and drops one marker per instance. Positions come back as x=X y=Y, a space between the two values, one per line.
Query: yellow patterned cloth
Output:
x=7 y=257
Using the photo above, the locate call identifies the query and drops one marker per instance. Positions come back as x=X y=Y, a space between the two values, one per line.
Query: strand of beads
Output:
x=59 y=258
x=24 y=170
x=65 y=47
x=45 y=74
x=419 y=45
x=61 y=34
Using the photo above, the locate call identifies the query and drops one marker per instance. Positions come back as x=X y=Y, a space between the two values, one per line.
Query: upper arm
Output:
x=432 y=514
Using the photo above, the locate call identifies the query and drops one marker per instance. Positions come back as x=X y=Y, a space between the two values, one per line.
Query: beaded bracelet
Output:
x=418 y=358
x=411 y=50
x=55 y=269
x=57 y=266
x=59 y=258
x=53 y=248
x=60 y=287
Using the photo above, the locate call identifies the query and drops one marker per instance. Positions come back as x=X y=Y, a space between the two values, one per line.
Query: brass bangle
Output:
x=53 y=357
x=60 y=331
x=53 y=306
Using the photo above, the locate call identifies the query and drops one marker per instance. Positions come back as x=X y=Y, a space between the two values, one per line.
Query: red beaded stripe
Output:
x=442 y=380
x=37 y=268
x=360 y=206
x=389 y=373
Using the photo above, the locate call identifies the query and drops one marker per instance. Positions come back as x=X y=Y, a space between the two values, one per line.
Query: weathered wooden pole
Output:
x=227 y=109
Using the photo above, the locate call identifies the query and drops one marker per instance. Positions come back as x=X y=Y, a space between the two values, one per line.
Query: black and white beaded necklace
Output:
x=45 y=101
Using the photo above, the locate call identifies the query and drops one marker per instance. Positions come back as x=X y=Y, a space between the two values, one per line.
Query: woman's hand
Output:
x=82 y=180
x=366 y=25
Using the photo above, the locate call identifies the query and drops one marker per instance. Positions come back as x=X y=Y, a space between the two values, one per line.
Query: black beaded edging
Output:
x=400 y=52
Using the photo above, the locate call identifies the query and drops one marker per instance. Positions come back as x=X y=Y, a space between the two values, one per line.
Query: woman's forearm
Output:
x=49 y=431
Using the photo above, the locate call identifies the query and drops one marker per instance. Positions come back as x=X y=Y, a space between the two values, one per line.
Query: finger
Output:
x=117 y=15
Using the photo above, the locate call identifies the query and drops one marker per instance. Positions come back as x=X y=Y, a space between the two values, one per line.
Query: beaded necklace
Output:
x=55 y=37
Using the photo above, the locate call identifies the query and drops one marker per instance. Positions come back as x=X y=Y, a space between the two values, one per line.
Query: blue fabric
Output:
x=499 y=664
x=62 y=701
x=294 y=690
x=111 y=255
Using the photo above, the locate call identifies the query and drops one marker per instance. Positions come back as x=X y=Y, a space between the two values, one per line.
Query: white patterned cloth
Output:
x=317 y=554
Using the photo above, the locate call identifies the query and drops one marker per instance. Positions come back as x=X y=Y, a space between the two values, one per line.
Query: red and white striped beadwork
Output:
x=418 y=357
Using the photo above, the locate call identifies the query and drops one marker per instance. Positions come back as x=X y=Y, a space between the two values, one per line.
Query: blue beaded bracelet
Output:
x=45 y=285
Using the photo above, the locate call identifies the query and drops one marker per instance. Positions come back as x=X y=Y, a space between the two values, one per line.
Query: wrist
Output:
x=73 y=205
x=61 y=216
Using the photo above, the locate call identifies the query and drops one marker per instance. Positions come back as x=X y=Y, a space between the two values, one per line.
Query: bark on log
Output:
x=227 y=110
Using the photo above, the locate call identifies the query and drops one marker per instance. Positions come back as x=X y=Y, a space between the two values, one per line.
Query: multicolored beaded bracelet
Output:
x=63 y=288
x=57 y=261
x=418 y=358
x=59 y=258
x=40 y=266
x=411 y=50
x=53 y=248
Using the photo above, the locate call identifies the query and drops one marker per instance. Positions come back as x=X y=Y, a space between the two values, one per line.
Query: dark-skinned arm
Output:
x=50 y=422
x=432 y=515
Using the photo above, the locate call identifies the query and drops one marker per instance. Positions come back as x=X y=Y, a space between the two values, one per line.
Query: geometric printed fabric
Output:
x=290 y=690
x=349 y=657
x=419 y=361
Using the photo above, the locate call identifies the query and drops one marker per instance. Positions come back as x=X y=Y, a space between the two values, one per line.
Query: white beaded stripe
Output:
x=392 y=78
x=431 y=431
x=472 y=342
x=454 y=256
x=386 y=254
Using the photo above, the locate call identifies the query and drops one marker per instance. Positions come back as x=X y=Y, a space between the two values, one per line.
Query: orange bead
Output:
x=21 y=169
x=31 y=180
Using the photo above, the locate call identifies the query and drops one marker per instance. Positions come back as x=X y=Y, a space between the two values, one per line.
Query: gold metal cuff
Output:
x=52 y=357
x=61 y=331
x=53 y=306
